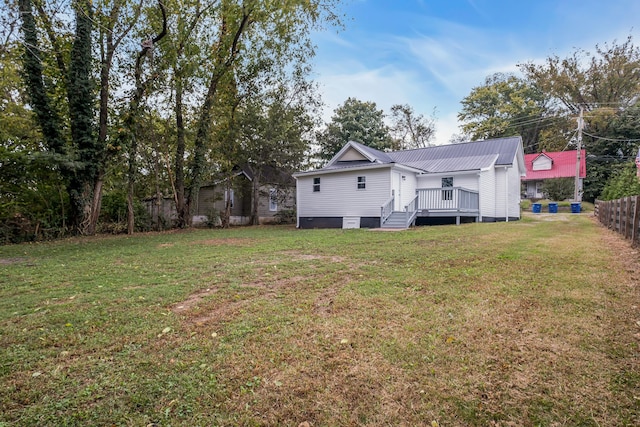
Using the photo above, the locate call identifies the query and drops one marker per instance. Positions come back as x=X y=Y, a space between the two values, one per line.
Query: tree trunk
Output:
x=131 y=186
x=182 y=209
x=130 y=213
x=96 y=205
x=255 y=197
x=226 y=51
x=81 y=114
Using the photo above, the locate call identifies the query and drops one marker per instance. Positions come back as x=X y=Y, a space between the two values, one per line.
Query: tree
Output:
x=605 y=84
x=559 y=188
x=276 y=134
x=231 y=36
x=410 y=130
x=130 y=134
x=32 y=199
x=354 y=121
x=61 y=81
x=624 y=182
x=505 y=105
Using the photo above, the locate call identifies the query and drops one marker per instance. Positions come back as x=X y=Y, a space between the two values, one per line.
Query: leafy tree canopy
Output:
x=505 y=105
x=411 y=130
x=354 y=120
x=606 y=85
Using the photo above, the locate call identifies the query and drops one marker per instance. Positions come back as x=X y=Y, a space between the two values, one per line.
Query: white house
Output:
x=364 y=187
x=552 y=165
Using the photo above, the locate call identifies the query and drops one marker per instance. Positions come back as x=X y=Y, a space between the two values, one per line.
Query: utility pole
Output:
x=576 y=187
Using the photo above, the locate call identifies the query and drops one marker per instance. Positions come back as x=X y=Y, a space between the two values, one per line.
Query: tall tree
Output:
x=276 y=134
x=605 y=84
x=505 y=105
x=279 y=31
x=32 y=202
x=411 y=130
x=64 y=88
x=132 y=115
x=354 y=120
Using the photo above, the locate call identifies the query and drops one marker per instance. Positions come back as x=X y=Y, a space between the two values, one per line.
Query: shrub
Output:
x=559 y=188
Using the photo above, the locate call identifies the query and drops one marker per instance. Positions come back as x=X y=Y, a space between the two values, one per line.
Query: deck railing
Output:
x=455 y=199
x=411 y=210
x=386 y=210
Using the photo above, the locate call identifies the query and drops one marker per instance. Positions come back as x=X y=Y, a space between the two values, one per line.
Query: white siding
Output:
x=352 y=154
x=469 y=181
x=408 y=187
x=507 y=198
x=501 y=195
x=339 y=194
x=542 y=163
x=514 y=191
x=487 y=193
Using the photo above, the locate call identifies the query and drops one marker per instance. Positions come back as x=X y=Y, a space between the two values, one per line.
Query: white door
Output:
x=396 y=190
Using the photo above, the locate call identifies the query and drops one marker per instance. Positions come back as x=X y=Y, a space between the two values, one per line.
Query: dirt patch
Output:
x=229 y=241
x=224 y=310
x=165 y=245
x=295 y=255
x=220 y=313
x=10 y=261
x=323 y=305
x=192 y=301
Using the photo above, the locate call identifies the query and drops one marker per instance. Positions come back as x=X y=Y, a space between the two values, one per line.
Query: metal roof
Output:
x=466 y=156
x=448 y=164
x=563 y=165
x=505 y=148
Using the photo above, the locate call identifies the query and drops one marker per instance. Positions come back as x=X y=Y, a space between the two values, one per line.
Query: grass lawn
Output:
x=526 y=323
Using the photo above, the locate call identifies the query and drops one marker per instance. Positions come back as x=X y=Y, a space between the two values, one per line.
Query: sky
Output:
x=430 y=54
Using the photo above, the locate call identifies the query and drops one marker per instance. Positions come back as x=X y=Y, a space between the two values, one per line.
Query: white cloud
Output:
x=385 y=86
x=446 y=127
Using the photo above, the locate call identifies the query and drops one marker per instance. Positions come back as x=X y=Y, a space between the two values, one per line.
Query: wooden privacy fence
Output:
x=622 y=216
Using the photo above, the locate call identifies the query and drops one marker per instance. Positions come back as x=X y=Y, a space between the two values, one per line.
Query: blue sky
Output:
x=431 y=53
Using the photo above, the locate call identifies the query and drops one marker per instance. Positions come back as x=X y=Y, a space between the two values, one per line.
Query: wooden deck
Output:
x=452 y=202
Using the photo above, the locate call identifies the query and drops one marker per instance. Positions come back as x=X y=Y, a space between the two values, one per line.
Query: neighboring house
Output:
x=363 y=187
x=276 y=199
x=551 y=165
x=276 y=194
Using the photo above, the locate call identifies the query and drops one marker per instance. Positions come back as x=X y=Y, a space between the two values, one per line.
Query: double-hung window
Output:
x=228 y=197
x=362 y=182
x=316 y=185
x=273 y=200
x=447 y=182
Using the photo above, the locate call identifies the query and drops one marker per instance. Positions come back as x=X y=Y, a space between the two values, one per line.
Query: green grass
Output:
x=563 y=206
x=521 y=323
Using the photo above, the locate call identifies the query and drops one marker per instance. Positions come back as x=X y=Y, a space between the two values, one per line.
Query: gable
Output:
x=562 y=165
x=542 y=162
x=351 y=155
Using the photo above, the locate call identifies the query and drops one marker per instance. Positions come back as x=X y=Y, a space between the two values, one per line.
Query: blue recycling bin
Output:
x=553 y=208
x=576 y=207
x=536 y=207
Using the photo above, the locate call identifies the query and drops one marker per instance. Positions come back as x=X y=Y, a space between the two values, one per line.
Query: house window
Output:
x=228 y=197
x=316 y=185
x=362 y=182
x=447 y=182
x=273 y=200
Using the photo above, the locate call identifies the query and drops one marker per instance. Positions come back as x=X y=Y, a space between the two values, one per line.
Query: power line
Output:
x=611 y=139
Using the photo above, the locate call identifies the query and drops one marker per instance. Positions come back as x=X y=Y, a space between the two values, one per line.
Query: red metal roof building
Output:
x=549 y=165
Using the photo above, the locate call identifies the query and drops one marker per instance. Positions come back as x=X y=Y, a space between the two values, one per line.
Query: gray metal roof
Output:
x=450 y=164
x=505 y=148
x=466 y=156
